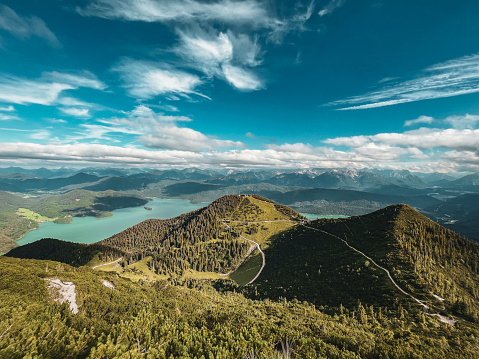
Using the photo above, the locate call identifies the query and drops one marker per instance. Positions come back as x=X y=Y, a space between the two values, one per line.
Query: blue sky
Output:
x=240 y=84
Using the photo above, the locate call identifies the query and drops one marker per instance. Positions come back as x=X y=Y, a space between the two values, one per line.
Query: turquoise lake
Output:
x=90 y=230
x=316 y=216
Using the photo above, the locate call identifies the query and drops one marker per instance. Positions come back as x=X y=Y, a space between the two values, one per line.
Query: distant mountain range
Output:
x=320 y=191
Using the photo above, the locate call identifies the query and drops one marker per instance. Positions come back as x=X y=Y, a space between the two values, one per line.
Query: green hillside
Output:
x=390 y=284
x=117 y=318
x=427 y=261
x=207 y=240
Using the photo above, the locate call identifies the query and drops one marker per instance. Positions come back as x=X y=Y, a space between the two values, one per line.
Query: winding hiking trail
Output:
x=105 y=264
x=377 y=265
x=255 y=244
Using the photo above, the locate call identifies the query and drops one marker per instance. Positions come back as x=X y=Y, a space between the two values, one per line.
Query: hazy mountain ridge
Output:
x=198 y=185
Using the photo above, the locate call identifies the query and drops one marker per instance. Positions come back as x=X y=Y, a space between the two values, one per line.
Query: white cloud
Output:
x=43 y=91
x=76 y=112
x=21 y=91
x=142 y=111
x=185 y=139
x=206 y=51
x=294 y=147
x=24 y=27
x=93 y=153
x=224 y=55
x=8 y=117
x=169 y=108
x=452 y=78
x=146 y=80
x=420 y=120
x=82 y=79
x=323 y=157
x=41 y=135
x=228 y=11
x=332 y=5
x=423 y=138
x=463 y=122
x=156 y=130
x=242 y=79
x=57 y=120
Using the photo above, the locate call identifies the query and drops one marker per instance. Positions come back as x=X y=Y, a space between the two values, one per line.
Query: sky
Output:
x=240 y=84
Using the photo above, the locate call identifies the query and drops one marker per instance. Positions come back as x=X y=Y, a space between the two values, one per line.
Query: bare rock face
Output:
x=63 y=292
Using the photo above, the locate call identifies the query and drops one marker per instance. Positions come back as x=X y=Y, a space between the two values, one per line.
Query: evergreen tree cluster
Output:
x=156 y=320
x=196 y=240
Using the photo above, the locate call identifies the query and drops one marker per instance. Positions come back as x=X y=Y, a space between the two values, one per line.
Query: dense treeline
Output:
x=74 y=254
x=196 y=240
x=155 y=320
x=425 y=258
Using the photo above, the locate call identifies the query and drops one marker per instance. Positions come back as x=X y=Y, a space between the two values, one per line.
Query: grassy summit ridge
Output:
x=199 y=241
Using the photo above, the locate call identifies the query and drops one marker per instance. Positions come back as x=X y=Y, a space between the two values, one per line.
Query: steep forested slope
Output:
x=312 y=263
x=198 y=240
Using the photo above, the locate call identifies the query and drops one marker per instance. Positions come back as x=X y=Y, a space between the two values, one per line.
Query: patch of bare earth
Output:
x=63 y=292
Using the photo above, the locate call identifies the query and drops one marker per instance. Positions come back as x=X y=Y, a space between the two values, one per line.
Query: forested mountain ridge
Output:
x=199 y=241
x=206 y=241
x=317 y=295
x=429 y=262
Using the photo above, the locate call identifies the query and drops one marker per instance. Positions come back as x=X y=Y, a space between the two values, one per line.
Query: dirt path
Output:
x=257 y=246
x=372 y=261
x=105 y=264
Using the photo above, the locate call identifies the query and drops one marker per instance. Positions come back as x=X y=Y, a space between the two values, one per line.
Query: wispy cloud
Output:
x=452 y=78
x=80 y=79
x=242 y=79
x=223 y=55
x=8 y=117
x=41 y=135
x=153 y=130
x=43 y=91
x=76 y=112
x=6 y=114
x=420 y=120
x=145 y=80
x=25 y=27
x=227 y=11
x=330 y=7
x=424 y=138
x=466 y=121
